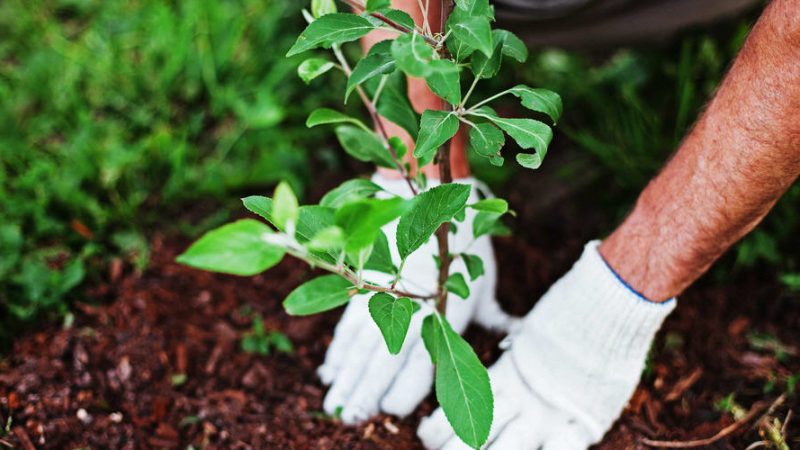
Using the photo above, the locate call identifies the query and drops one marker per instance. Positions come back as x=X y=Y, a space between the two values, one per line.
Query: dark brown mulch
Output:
x=110 y=380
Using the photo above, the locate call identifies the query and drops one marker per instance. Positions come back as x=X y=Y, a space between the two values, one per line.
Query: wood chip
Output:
x=23 y=438
x=683 y=385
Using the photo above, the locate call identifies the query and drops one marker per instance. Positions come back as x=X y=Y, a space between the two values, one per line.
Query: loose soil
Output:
x=158 y=365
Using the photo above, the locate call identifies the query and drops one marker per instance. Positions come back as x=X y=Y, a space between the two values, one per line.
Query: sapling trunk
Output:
x=445 y=176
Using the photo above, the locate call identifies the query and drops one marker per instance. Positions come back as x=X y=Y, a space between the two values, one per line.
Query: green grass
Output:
x=114 y=110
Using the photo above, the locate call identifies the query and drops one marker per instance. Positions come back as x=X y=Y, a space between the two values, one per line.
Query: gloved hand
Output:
x=365 y=378
x=572 y=367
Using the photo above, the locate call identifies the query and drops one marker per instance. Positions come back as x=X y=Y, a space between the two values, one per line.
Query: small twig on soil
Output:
x=23 y=438
x=683 y=385
x=755 y=411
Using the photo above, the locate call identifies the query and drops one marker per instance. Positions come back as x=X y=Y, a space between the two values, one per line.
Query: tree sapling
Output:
x=342 y=234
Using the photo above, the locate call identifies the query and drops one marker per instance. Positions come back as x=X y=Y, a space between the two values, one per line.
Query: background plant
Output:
x=342 y=234
x=118 y=114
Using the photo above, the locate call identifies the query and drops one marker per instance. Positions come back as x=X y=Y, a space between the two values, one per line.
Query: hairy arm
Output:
x=741 y=156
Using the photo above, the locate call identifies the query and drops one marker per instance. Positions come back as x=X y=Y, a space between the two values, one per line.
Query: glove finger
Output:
x=491 y=316
x=343 y=339
x=527 y=430
x=412 y=383
x=569 y=436
x=488 y=312
x=455 y=444
x=434 y=431
x=358 y=355
x=515 y=436
x=379 y=375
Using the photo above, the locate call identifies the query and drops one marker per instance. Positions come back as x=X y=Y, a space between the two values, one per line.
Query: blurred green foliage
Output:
x=630 y=109
x=113 y=109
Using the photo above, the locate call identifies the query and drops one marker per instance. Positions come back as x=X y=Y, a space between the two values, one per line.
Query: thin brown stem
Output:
x=299 y=252
x=443 y=159
x=445 y=176
x=373 y=113
x=359 y=7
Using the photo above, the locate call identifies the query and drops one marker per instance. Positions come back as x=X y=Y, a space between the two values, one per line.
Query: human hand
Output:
x=573 y=364
x=365 y=378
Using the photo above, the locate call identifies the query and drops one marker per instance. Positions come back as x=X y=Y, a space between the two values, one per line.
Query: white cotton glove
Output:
x=365 y=378
x=572 y=366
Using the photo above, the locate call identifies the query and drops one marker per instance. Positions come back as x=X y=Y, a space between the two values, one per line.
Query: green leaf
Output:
x=430 y=209
x=399 y=147
x=319 y=295
x=486 y=139
x=375 y=5
x=349 y=191
x=238 y=248
x=528 y=133
x=393 y=316
x=364 y=145
x=312 y=68
x=457 y=285
x=529 y=160
x=540 y=100
x=446 y=83
x=324 y=116
x=413 y=54
x=331 y=29
x=260 y=205
x=400 y=17
x=436 y=128
x=369 y=67
x=394 y=106
x=458 y=48
x=495 y=205
x=485 y=67
x=474 y=265
x=284 y=206
x=488 y=223
x=320 y=8
x=512 y=45
x=328 y=239
x=462 y=382
x=362 y=220
x=311 y=218
x=475 y=8
x=381 y=258
x=474 y=31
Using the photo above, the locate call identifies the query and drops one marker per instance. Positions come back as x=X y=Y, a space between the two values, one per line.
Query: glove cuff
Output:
x=583 y=346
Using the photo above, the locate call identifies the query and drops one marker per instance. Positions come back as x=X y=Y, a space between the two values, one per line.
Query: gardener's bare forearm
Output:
x=742 y=155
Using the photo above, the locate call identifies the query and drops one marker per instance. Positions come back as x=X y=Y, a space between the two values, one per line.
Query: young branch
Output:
x=373 y=113
x=298 y=251
x=359 y=7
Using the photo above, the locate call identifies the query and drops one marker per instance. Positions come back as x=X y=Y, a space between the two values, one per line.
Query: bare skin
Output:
x=742 y=155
